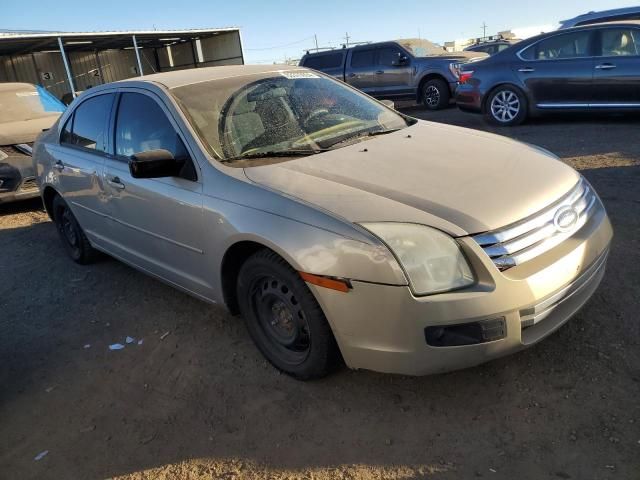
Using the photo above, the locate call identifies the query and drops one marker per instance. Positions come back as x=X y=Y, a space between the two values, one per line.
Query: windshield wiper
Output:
x=382 y=132
x=366 y=133
x=278 y=153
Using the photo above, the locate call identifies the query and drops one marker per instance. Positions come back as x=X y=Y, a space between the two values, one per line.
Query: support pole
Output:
x=66 y=67
x=135 y=47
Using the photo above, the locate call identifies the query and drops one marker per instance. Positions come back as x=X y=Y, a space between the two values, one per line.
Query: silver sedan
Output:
x=340 y=229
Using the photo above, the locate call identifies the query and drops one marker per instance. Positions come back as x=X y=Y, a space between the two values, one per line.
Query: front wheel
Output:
x=506 y=106
x=284 y=319
x=435 y=94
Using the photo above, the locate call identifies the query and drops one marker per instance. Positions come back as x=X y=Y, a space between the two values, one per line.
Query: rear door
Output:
x=361 y=70
x=79 y=162
x=394 y=72
x=558 y=71
x=331 y=63
x=617 y=68
x=157 y=224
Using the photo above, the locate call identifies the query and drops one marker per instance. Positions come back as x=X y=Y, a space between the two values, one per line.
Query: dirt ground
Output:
x=200 y=402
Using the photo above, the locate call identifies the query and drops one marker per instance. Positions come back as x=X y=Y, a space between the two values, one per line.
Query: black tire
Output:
x=284 y=318
x=73 y=238
x=435 y=94
x=506 y=106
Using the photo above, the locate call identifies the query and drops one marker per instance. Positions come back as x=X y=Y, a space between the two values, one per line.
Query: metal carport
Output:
x=66 y=63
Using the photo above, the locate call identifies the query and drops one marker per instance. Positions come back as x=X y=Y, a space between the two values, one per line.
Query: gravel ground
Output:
x=196 y=400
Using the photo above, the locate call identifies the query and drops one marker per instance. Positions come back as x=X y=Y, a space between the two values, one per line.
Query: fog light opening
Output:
x=471 y=333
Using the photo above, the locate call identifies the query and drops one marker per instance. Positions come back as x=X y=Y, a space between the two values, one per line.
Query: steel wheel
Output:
x=67 y=228
x=281 y=319
x=505 y=106
x=71 y=234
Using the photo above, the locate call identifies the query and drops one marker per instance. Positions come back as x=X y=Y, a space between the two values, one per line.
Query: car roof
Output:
x=180 y=78
x=601 y=14
x=591 y=26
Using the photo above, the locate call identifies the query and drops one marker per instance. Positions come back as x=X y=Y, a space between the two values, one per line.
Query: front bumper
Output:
x=17 y=177
x=382 y=328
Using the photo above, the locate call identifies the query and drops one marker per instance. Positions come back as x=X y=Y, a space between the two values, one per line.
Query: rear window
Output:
x=570 y=45
x=23 y=102
x=321 y=62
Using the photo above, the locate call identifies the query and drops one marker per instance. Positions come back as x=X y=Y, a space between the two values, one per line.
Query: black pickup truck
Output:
x=411 y=69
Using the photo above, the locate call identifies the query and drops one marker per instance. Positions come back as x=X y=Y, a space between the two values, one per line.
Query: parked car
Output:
x=337 y=227
x=594 y=68
x=614 y=15
x=409 y=69
x=492 y=47
x=25 y=110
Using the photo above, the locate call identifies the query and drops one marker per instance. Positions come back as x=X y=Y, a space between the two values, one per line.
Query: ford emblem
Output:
x=565 y=219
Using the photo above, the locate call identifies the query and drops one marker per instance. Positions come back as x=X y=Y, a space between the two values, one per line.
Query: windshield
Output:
x=421 y=48
x=20 y=102
x=291 y=112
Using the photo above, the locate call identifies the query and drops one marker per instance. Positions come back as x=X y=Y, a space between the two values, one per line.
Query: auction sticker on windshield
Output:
x=298 y=75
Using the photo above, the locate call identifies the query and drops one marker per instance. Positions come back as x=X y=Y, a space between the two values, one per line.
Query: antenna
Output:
x=484 y=30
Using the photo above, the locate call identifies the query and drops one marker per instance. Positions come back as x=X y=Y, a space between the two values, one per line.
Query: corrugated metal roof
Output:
x=99 y=33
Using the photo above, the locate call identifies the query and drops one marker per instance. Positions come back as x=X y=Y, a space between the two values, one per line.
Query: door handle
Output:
x=526 y=69
x=58 y=165
x=605 y=66
x=116 y=183
x=379 y=72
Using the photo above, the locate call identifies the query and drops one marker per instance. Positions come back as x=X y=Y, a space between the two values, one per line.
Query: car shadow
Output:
x=21 y=206
x=197 y=390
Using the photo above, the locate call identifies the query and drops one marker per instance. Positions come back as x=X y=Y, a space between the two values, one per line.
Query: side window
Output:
x=387 y=56
x=319 y=62
x=571 y=45
x=142 y=125
x=66 y=136
x=362 y=58
x=87 y=127
x=619 y=42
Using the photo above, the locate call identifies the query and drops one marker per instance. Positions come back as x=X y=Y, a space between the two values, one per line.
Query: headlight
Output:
x=432 y=260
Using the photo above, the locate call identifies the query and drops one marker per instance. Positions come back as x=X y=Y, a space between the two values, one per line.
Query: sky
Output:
x=277 y=29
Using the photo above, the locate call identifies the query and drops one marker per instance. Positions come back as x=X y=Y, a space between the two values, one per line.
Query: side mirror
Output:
x=388 y=103
x=400 y=60
x=155 y=164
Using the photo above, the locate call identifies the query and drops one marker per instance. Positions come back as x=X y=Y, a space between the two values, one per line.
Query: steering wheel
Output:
x=316 y=113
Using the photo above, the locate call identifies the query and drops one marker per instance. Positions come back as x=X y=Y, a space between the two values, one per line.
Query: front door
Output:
x=616 y=80
x=394 y=72
x=558 y=71
x=156 y=223
x=79 y=162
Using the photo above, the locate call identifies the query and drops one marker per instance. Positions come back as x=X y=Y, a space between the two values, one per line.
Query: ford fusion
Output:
x=340 y=230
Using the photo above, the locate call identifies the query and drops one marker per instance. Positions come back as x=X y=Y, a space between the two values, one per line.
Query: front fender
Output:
x=305 y=247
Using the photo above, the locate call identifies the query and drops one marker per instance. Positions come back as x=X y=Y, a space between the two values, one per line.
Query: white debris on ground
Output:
x=116 y=346
x=88 y=345
x=41 y=455
x=129 y=340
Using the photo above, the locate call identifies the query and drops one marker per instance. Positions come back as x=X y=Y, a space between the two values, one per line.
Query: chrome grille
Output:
x=522 y=241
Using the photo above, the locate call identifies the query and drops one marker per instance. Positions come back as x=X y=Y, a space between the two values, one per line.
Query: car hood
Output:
x=25 y=131
x=459 y=180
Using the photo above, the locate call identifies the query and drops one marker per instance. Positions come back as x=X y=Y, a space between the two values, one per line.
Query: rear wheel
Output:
x=435 y=94
x=284 y=319
x=506 y=106
x=73 y=238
